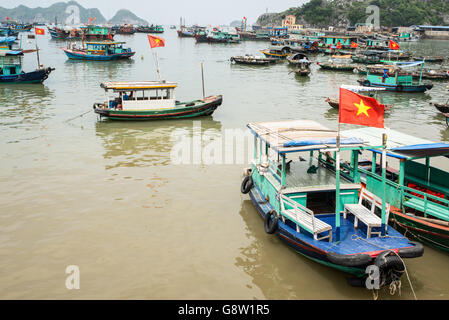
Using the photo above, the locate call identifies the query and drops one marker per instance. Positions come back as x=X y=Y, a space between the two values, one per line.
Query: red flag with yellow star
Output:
x=361 y=110
x=393 y=45
x=156 y=41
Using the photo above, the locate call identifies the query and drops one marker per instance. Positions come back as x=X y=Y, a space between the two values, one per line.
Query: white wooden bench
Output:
x=304 y=218
x=367 y=216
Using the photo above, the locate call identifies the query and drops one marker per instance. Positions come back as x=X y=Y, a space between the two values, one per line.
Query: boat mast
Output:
x=384 y=174
x=337 y=185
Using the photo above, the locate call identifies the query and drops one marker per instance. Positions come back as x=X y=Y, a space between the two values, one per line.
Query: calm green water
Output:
x=105 y=195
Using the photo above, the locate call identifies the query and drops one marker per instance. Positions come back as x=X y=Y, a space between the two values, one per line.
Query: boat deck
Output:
x=352 y=240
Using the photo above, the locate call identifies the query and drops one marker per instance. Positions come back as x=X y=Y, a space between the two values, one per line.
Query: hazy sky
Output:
x=169 y=11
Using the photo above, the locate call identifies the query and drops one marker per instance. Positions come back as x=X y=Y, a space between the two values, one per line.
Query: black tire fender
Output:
x=413 y=252
x=247 y=184
x=271 y=225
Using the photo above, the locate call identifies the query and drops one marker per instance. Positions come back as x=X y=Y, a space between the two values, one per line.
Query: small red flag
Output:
x=394 y=45
x=110 y=36
x=156 y=41
x=354 y=45
x=7 y=18
x=39 y=31
x=361 y=110
x=339 y=45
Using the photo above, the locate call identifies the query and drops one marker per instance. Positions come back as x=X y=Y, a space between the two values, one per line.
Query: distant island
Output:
x=344 y=13
x=70 y=12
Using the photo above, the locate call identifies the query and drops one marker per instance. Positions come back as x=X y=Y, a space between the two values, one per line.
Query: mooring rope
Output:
x=68 y=120
x=395 y=285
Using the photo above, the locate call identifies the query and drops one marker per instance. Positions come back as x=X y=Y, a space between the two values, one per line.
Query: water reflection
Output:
x=280 y=272
x=145 y=143
x=24 y=104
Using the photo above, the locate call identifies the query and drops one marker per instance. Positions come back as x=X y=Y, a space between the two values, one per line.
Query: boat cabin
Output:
x=334 y=40
x=10 y=62
x=400 y=78
x=144 y=95
x=92 y=30
x=294 y=170
x=413 y=184
x=106 y=48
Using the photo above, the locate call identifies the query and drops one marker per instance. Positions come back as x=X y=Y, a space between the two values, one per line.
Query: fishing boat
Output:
x=65 y=33
x=312 y=206
x=11 y=69
x=96 y=33
x=156 y=29
x=299 y=59
x=429 y=74
x=302 y=71
x=434 y=59
x=366 y=59
x=151 y=100
x=252 y=60
x=400 y=82
x=216 y=36
x=336 y=66
x=370 y=91
x=416 y=190
x=100 y=51
x=126 y=29
x=277 y=53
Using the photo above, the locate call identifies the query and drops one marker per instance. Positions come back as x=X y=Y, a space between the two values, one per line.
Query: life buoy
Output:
x=247 y=184
x=271 y=224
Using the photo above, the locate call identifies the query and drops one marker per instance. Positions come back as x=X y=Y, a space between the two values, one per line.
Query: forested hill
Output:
x=322 y=13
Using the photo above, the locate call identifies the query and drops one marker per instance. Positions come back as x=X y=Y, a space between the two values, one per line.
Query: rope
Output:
x=68 y=120
x=394 y=285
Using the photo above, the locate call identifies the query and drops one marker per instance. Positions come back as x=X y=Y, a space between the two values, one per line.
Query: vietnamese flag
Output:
x=156 y=41
x=39 y=31
x=354 y=45
x=360 y=110
x=339 y=45
x=394 y=45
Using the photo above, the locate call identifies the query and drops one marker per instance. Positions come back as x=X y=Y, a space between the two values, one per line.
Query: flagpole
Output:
x=156 y=63
x=37 y=50
x=337 y=182
x=384 y=174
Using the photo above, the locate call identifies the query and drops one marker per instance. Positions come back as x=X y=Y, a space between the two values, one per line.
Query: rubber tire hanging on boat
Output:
x=247 y=184
x=271 y=225
x=390 y=267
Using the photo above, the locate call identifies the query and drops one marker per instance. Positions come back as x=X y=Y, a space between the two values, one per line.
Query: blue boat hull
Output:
x=399 y=88
x=37 y=76
x=319 y=250
x=92 y=57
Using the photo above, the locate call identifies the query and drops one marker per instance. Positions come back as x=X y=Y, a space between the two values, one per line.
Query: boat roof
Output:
x=301 y=135
x=10 y=53
x=400 y=145
x=138 y=85
x=108 y=43
x=361 y=88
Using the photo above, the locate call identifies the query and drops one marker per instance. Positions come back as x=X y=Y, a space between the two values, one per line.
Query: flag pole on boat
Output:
x=337 y=187
x=154 y=43
x=384 y=178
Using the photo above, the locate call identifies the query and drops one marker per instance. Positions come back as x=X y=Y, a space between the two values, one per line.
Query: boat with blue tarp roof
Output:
x=100 y=51
x=319 y=210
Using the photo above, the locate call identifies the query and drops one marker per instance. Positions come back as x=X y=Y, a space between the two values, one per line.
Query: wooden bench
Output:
x=365 y=215
x=304 y=218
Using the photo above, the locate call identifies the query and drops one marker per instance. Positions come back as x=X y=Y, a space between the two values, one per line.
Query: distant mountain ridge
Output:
x=70 y=12
x=342 y=13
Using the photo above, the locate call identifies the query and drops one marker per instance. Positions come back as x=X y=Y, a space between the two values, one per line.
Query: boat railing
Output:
x=431 y=204
x=297 y=210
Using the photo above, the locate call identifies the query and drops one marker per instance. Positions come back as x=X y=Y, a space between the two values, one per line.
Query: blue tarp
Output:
x=332 y=141
x=424 y=150
x=7 y=39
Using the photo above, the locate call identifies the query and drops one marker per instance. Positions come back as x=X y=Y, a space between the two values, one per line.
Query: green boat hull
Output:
x=430 y=233
x=184 y=110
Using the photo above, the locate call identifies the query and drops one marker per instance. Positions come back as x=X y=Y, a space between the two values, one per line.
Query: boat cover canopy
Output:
x=138 y=85
x=301 y=135
x=10 y=53
x=7 y=39
x=400 y=145
x=360 y=88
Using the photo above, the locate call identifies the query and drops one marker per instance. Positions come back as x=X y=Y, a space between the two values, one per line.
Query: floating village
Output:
x=360 y=198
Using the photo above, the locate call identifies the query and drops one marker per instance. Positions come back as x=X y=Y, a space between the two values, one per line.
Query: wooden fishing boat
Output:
x=11 y=69
x=277 y=53
x=400 y=82
x=151 y=100
x=417 y=191
x=336 y=66
x=428 y=74
x=302 y=71
x=126 y=29
x=100 y=51
x=335 y=103
x=97 y=33
x=306 y=203
x=365 y=59
x=443 y=108
x=252 y=60
x=299 y=59
x=434 y=59
x=65 y=34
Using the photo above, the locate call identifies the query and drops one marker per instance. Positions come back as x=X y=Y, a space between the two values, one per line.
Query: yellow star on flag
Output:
x=157 y=40
x=362 y=108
